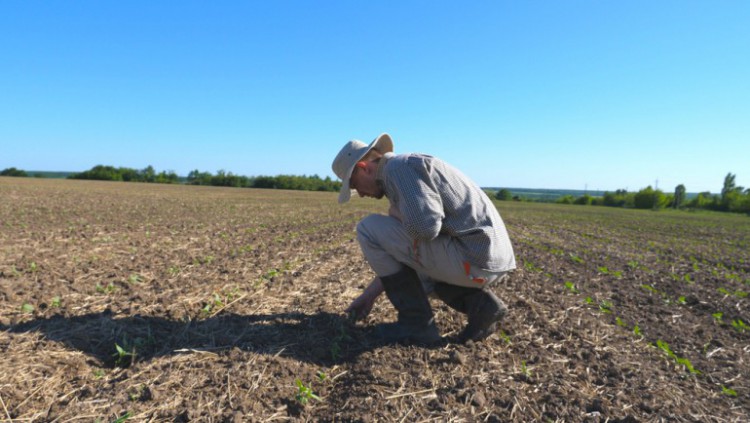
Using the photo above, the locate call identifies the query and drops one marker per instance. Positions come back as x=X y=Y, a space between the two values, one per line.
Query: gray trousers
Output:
x=387 y=247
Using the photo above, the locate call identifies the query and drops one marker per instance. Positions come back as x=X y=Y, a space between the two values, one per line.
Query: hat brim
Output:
x=383 y=144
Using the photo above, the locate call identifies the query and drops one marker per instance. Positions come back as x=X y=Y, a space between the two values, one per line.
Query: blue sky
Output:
x=539 y=94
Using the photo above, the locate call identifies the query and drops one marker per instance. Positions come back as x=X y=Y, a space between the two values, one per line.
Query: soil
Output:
x=144 y=302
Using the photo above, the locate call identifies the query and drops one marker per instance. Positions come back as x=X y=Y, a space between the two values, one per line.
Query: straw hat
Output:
x=354 y=151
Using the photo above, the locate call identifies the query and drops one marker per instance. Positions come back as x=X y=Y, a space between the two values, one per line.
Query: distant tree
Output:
x=585 y=200
x=731 y=195
x=617 y=199
x=12 y=171
x=648 y=198
x=167 y=177
x=565 y=199
x=504 y=195
x=197 y=177
x=148 y=174
x=99 y=173
x=679 y=196
x=129 y=175
x=729 y=185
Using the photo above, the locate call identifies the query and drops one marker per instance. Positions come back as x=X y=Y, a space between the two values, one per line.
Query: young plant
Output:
x=525 y=369
x=620 y=322
x=576 y=258
x=123 y=418
x=680 y=360
x=123 y=357
x=109 y=289
x=570 y=286
x=728 y=391
x=504 y=336
x=637 y=331
x=304 y=393
x=740 y=325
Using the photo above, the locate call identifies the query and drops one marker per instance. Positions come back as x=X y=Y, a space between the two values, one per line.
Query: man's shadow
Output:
x=323 y=338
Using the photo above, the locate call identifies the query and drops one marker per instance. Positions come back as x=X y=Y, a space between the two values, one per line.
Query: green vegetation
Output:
x=680 y=360
x=110 y=173
x=12 y=171
x=733 y=198
x=123 y=357
x=304 y=393
x=221 y=178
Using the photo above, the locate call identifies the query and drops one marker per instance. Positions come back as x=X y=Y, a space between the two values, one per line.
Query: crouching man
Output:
x=442 y=234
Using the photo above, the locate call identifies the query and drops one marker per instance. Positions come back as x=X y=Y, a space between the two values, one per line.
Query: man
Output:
x=442 y=230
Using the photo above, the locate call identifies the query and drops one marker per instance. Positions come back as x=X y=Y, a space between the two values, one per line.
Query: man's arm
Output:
x=361 y=306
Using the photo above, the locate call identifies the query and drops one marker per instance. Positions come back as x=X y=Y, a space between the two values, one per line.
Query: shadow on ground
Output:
x=321 y=338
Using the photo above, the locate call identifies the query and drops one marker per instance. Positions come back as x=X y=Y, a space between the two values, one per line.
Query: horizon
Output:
x=583 y=94
x=33 y=173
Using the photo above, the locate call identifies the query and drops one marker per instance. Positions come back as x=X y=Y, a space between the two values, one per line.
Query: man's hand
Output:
x=362 y=305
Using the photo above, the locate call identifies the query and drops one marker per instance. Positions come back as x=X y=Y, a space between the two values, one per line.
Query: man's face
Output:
x=363 y=180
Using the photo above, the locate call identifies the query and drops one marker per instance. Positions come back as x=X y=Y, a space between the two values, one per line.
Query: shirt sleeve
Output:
x=418 y=199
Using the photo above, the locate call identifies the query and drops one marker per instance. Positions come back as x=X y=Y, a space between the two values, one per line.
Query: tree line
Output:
x=196 y=177
x=733 y=198
x=292 y=182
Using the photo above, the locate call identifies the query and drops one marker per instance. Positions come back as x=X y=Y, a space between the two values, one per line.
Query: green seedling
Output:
x=27 y=308
x=504 y=336
x=135 y=278
x=525 y=369
x=217 y=303
x=650 y=288
x=341 y=337
x=728 y=391
x=304 y=393
x=322 y=376
x=531 y=267
x=620 y=322
x=603 y=270
x=33 y=267
x=123 y=418
x=682 y=300
x=589 y=300
x=718 y=317
x=109 y=289
x=680 y=360
x=740 y=325
x=637 y=331
x=570 y=286
x=576 y=258
x=122 y=356
x=605 y=307
x=56 y=302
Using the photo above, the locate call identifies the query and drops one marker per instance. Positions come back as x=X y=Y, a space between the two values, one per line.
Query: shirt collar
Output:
x=380 y=173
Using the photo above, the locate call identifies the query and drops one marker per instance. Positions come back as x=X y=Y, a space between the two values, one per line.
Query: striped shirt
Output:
x=435 y=198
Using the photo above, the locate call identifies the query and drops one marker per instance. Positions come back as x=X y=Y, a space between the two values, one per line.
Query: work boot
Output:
x=415 y=320
x=482 y=307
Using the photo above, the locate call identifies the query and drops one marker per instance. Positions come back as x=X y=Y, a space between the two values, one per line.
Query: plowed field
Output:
x=141 y=302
